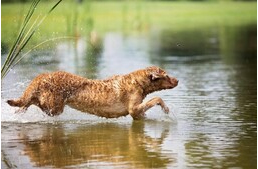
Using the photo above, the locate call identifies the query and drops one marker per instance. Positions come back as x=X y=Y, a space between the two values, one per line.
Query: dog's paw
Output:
x=166 y=109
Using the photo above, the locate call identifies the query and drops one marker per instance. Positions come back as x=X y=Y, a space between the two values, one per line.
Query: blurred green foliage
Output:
x=79 y=1
x=73 y=19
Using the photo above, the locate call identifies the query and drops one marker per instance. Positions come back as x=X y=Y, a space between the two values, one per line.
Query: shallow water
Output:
x=212 y=123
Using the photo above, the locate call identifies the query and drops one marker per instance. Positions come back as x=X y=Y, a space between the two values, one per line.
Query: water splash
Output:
x=157 y=114
x=35 y=115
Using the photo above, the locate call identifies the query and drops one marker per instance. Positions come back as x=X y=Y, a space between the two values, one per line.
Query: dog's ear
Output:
x=154 y=76
x=155 y=73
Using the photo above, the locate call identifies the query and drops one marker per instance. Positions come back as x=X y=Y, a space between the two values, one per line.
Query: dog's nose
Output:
x=175 y=80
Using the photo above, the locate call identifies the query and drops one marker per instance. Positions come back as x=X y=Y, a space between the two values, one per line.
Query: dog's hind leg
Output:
x=28 y=98
x=22 y=102
x=51 y=103
x=52 y=111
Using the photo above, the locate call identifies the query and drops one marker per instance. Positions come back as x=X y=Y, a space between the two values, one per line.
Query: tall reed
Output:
x=25 y=34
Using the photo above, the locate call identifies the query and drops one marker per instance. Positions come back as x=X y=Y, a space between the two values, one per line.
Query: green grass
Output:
x=126 y=16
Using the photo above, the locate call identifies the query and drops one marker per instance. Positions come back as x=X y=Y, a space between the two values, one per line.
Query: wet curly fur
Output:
x=117 y=96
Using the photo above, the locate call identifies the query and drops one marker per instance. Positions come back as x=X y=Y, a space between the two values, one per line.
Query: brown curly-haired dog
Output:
x=117 y=96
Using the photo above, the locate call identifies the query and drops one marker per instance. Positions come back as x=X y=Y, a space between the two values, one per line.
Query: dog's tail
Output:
x=16 y=103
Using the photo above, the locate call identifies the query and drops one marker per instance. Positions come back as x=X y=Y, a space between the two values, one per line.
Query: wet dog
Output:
x=117 y=96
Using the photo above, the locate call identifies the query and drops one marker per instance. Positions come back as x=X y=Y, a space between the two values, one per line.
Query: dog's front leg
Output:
x=137 y=110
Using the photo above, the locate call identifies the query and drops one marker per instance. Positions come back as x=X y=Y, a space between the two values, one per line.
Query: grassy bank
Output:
x=71 y=19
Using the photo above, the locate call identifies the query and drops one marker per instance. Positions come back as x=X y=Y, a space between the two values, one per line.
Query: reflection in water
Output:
x=171 y=43
x=219 y=93
x=232 y=44
x=80 y=57
x=216 y=99
x=238 y=44
x=92 y=55
x=106 y=143
x=83 y=53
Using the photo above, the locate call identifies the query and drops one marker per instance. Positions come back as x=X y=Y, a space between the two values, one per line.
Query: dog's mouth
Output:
x=173 y=83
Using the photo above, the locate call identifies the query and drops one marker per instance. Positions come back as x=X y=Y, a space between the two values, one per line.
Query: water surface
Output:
x=212 y=123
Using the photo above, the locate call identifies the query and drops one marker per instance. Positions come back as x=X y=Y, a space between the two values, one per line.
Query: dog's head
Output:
x=159 y=79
